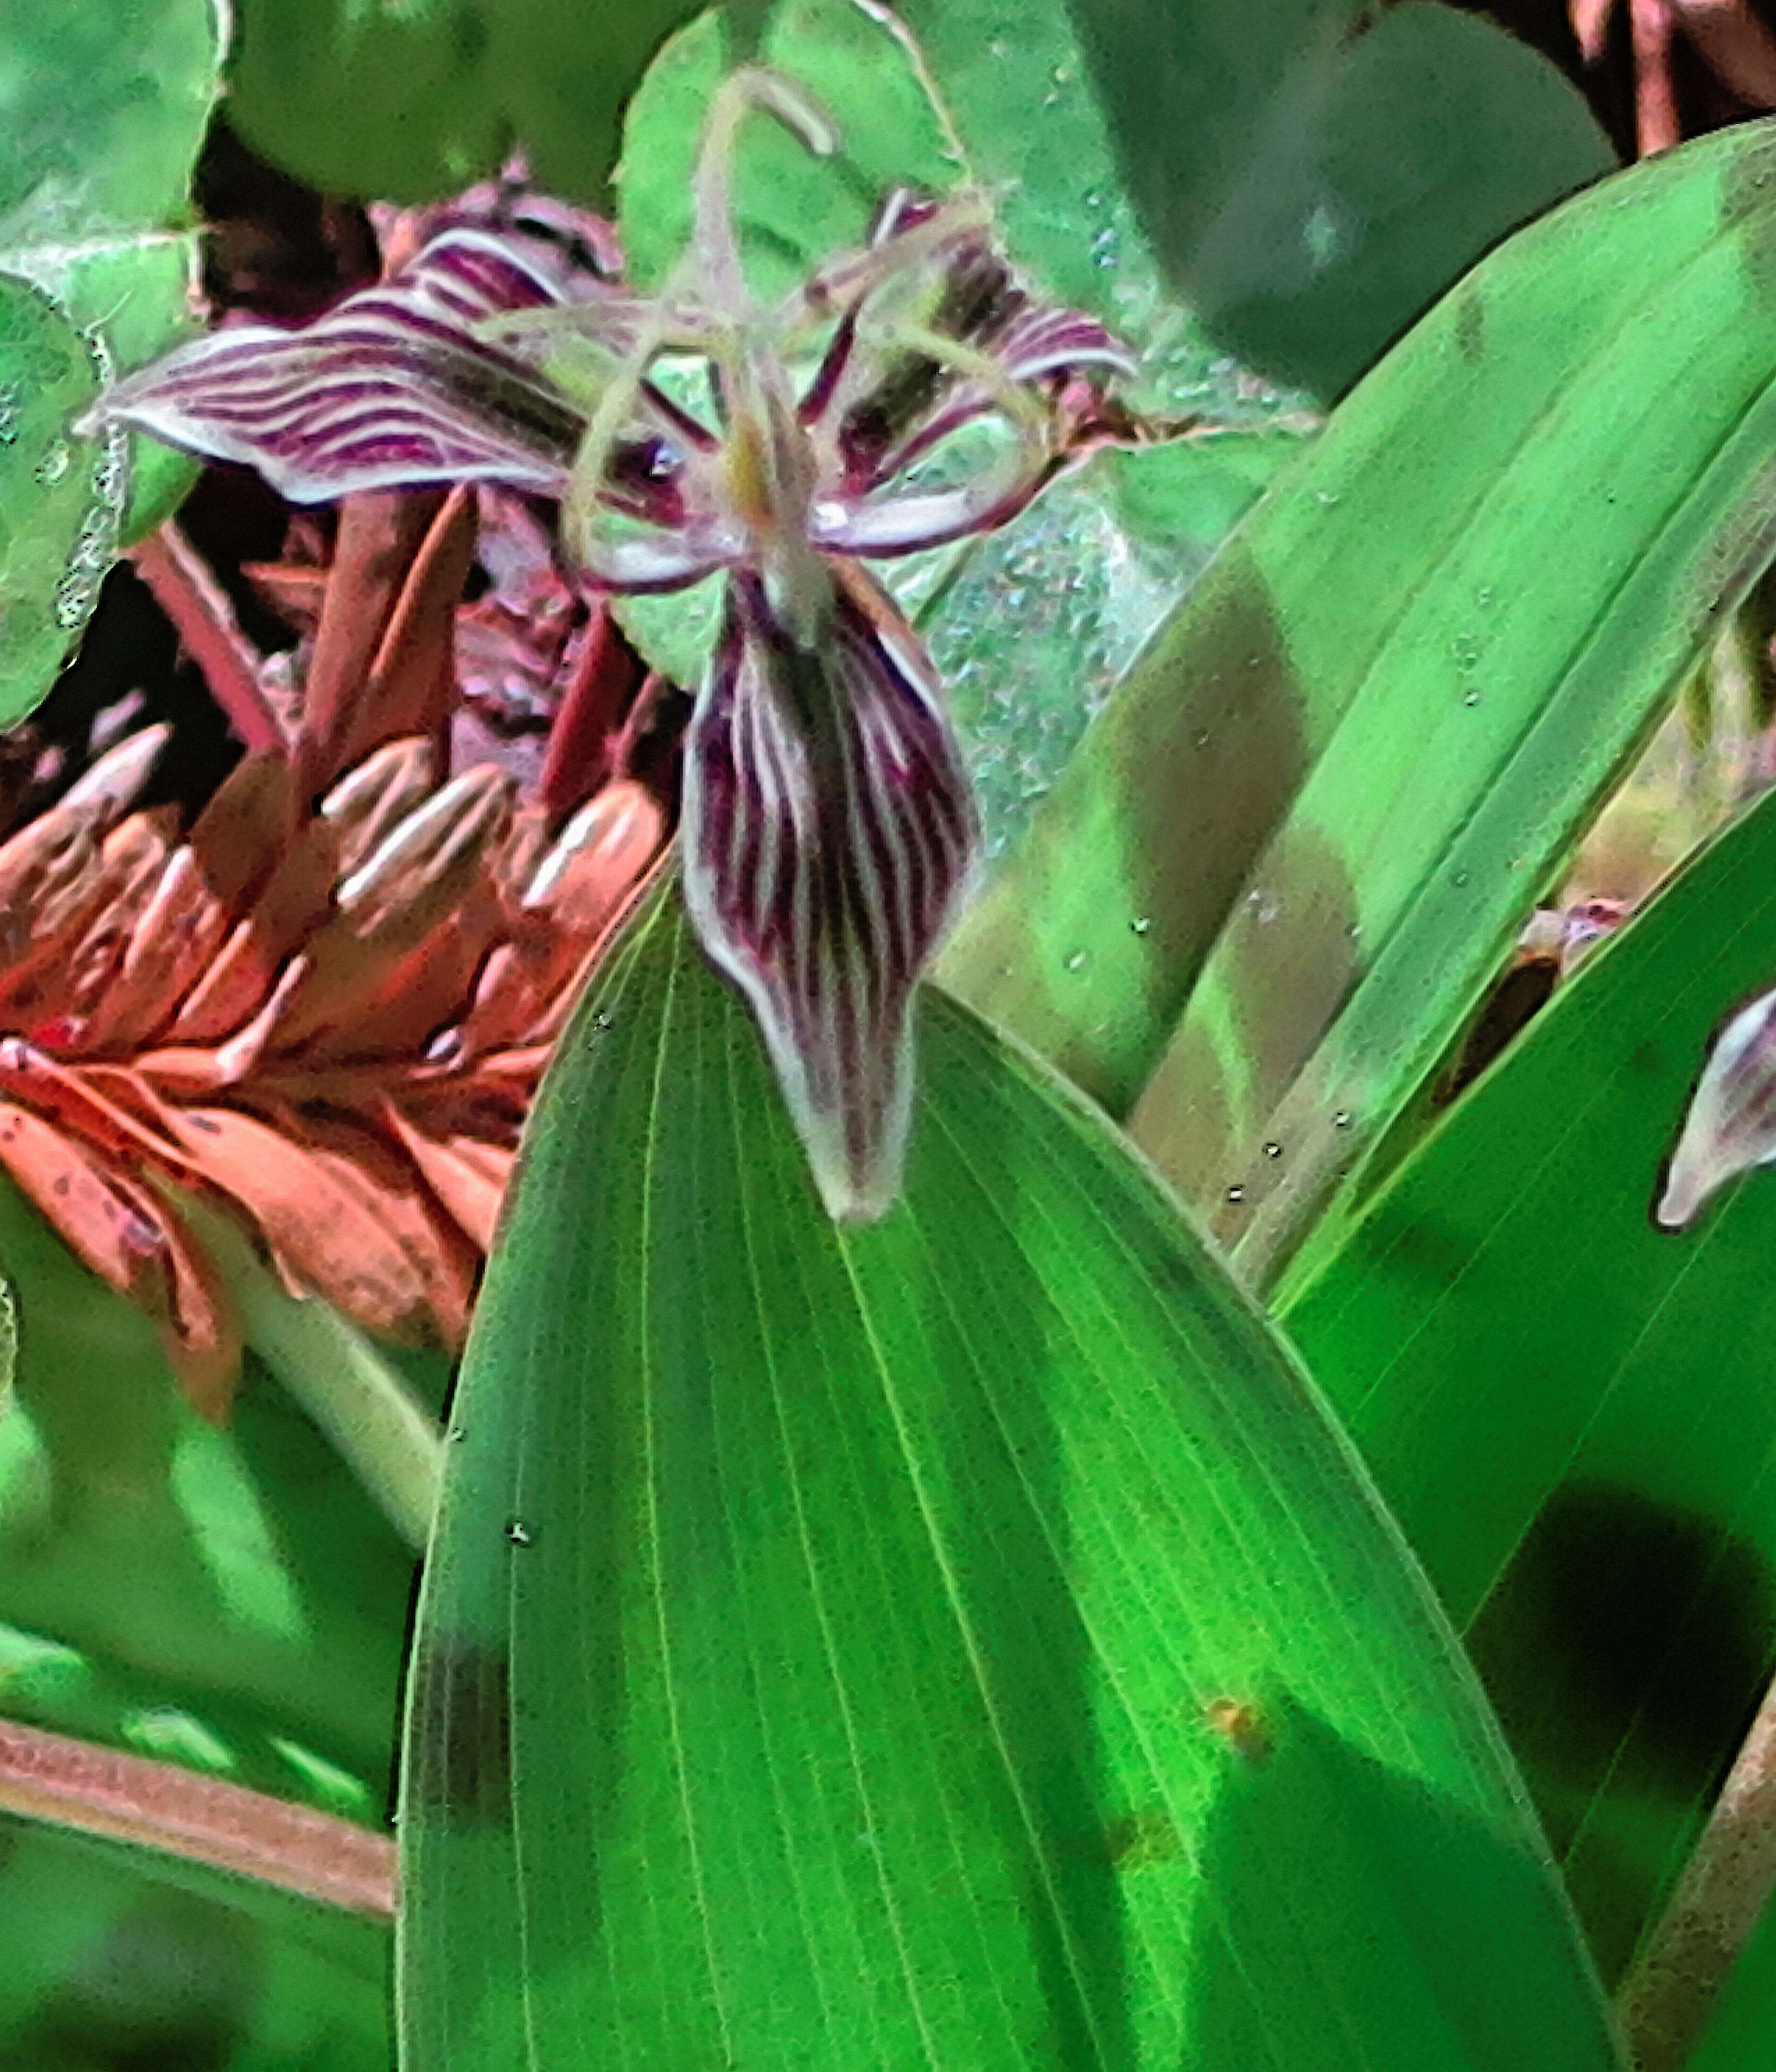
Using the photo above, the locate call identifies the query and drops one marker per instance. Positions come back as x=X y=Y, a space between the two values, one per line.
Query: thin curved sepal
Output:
x=829 y=840
x=390 y=389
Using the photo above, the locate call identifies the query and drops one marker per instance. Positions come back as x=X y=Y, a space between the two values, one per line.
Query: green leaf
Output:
x=236 y=1586
x=792 y=210
x=103 y=110
x=1313 y=181
x=115 y=1957
x=411 y=103
x=60 y=499
x=1032 y=627
x=1280 y=869
x=944 y=1643
x=1568 y=1409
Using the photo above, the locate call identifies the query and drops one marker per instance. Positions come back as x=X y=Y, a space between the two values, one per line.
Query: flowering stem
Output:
x=600 y=682
x=71 y=1784
x=335 y=1373
x=1667 y=1998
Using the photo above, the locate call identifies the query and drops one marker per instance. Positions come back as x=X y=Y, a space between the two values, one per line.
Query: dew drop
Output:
x=601 y=1019
x=456 y=1435
x=519 y=1533
x=1077 y=961
x=1236 y=1193
x=1140 y=924
x=1342 y=1119
x=1471 y=698
x=1273 y=1149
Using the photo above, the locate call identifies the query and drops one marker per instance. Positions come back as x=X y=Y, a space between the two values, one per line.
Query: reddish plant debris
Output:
x=332 y=1026
x=325 y=1007
x=1693 y=65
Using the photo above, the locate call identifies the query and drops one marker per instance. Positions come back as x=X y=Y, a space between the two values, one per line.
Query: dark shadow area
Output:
x=1626 y=1632
x=1351 y=1904
x=1626 y=1648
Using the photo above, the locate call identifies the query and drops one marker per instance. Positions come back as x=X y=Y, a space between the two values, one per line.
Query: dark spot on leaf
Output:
x=463 y=1719
x=1139 y=1839
x=1470 y=328
x=1242 y=1725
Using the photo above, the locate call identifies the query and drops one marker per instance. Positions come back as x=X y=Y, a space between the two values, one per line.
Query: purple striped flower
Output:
x=906 y=395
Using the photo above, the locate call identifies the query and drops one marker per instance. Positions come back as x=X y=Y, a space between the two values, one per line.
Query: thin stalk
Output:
x=1667 y=1998
x=68 y=1783
x=202 y=616
x=361 y=1403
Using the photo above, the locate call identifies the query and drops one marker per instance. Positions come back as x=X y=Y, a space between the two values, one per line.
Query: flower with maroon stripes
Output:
x=905 y=395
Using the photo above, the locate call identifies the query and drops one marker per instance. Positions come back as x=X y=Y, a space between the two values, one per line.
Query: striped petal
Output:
x=1730 y=1126
x=828 y=839
x=888 y=409
x=388 y=390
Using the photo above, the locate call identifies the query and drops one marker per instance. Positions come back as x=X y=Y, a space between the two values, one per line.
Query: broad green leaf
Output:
x=962 y=1642
x=1283 y=865
x=1313 y=173
x=1570 y=1410
x=103 y=110
x=410 y=103
x=117 y=1958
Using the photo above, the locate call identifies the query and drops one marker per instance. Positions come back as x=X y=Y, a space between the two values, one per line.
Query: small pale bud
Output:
x=1731 y=1125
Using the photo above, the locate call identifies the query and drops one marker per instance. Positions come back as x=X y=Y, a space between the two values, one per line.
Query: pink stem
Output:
x=95 y=1791
x=189 y=595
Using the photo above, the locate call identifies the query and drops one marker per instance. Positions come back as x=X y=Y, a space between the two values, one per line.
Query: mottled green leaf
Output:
x=960 y=1642
x=1568 y=1408
x=60 y=498
x=1281 y=868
